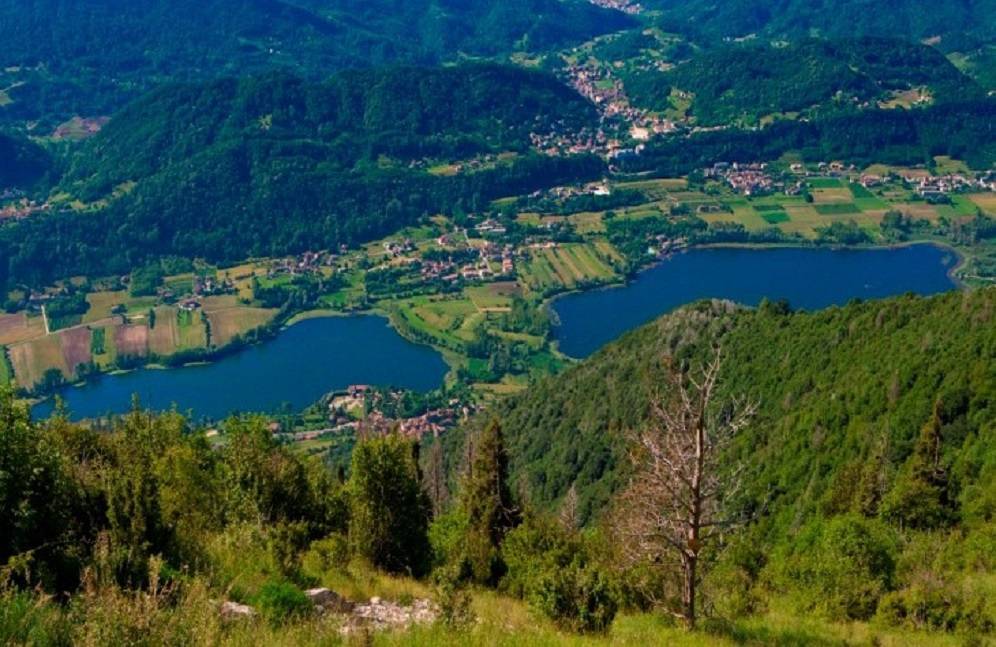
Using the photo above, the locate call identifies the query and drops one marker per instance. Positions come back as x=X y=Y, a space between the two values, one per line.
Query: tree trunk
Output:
x=688 y=563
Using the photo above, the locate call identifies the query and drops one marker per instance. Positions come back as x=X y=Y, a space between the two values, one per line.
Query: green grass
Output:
x=824 y=183
x=6 y=370
x=775 y=217
x=98 y=341
x=837 y=209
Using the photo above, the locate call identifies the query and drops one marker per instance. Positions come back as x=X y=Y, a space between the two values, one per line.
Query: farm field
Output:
x=20 y=327
x=567 y=266
x=230 y=322
x=494 y=296
x=32 y=359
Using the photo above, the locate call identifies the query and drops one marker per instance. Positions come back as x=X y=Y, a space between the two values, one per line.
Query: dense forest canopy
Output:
x=750 y=81
x=403 y=113
x=965 y=130
x=956 y=21
x=263 y=166
x=838 y=390
x=64 y=58
x=22 y=162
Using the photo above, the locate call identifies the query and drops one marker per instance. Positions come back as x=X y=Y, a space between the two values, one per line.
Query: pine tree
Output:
x=488 y=504
x=920 y=497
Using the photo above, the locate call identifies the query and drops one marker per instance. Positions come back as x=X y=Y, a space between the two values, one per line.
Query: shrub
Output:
x=279 y=602
x=841 y=567
x=549 y=566
x=389 y=510
x=454 y=601
x=934 y=603
x=331 y=553
x=28 y=620
x=579 y=598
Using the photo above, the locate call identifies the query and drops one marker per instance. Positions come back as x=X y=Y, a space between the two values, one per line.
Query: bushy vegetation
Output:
x=22 y=163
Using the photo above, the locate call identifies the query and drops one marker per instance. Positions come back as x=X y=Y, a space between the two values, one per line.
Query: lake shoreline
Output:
x=810 y=277
x=454 y=359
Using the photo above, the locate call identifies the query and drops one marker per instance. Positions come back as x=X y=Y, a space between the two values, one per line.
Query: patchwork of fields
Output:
x=105 y=340
x=568 y=266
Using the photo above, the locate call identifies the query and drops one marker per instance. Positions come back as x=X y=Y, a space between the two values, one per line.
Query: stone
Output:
x=233 y=610
x=329 y=601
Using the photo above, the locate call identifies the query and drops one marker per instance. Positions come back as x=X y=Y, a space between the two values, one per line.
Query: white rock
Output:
x=232 y=610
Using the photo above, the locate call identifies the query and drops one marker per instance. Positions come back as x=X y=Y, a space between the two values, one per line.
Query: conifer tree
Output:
x=488 y=504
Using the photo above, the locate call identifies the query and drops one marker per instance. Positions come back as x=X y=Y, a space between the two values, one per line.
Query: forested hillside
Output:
x=22 y=163
x=403 y=113
x=273 y=165
x=748 y=81
x=841 y=390
x=64 y=58
x=965 y=130
x=956 y=21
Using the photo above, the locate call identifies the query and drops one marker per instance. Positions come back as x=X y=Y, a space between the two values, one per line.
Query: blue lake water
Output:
x=808 y=278
x=303 y=363
x=316 y=356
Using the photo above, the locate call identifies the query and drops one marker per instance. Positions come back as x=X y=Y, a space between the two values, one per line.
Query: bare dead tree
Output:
x=673 y=504
x=435 y=479
x=569 y=509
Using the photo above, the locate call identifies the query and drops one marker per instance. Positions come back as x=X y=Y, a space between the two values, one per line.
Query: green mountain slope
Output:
x=840 y=391
x=272 y=165
x=955 y=21
x=404 y=113
x=64 y=58
x=22 y=163
x=747 y=82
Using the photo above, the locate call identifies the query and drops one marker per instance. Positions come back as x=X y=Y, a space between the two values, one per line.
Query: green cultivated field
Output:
x=567 y=266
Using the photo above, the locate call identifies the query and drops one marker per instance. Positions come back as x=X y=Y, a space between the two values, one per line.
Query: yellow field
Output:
x=986 y=202
x=830 y=196
x=191 y=331
x=227 y=323
x=220 y=302
x=31 y=359
x=164 y=338
x=101 y=304
x=587 y=222
x=20 y=328
x=494 y=295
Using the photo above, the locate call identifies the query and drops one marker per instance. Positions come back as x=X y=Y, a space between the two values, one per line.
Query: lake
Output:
x=304 y=362
x=808 y=278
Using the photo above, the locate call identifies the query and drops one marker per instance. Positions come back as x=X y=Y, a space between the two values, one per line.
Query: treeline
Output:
x=964 y=130
x=742 y=83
